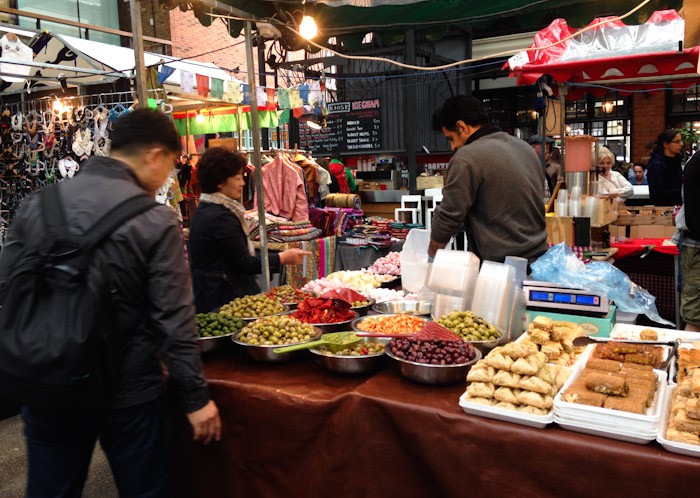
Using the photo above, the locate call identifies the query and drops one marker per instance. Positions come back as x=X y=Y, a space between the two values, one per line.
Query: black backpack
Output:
x=57 y=349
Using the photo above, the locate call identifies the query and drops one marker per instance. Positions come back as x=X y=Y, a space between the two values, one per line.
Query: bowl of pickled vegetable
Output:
x=474 y=329
x=250 y=308
x=362 y=307
x=365 y=357
x=288 y=295
x=213 y=328
x=262 y=336
x=432 y=361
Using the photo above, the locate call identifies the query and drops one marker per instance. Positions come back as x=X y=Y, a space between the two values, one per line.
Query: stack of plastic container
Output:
x=494 y=294
x=452 y=278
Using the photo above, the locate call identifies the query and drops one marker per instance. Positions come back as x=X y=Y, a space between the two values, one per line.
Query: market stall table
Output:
x=653 y=265
x=349 y=257
x=297 y=430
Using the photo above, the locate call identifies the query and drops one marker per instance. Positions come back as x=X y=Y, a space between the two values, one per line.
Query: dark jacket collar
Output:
x=487 y=129
x=110 y=168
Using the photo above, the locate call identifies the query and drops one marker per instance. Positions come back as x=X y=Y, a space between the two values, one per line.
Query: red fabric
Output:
x=547 y=60
x=338 y=171
x=202 y=85
x=634 y=247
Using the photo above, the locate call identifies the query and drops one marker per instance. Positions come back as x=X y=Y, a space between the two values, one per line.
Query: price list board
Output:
x=350 y=127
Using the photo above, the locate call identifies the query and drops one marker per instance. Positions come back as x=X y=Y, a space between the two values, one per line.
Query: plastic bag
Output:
x=561 y=266
x=414 y=259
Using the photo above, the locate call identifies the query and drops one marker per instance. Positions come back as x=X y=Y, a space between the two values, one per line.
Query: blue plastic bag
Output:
x=560 y=265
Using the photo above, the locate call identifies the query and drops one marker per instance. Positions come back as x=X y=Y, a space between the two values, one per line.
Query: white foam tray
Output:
x=630 y=333
x=608 y=432
x=605 y=417
x=536 y=421
x=673 y=446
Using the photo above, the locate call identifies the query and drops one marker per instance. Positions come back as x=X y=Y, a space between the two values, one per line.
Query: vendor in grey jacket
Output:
x=494 y=187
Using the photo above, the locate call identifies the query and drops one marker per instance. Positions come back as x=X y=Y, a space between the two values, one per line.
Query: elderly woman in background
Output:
x=222 y=259
x=611 y=182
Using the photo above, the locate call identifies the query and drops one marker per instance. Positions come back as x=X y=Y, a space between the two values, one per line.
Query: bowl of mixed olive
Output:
x=364 y=357
x=250 y=308
x=213 y=328
x=362 y=307
x=262 y=336
x=474 y=329
x=432 y=361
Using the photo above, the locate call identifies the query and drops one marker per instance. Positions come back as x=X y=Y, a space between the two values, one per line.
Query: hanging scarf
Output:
x=235 y=207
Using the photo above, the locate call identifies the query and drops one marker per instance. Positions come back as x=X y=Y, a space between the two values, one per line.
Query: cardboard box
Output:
x=652 y=231
x=603 y=324
x=424 y=182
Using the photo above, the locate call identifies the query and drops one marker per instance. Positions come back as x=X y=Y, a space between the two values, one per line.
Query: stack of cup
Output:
x=592 y=208
x=575 y=204
x=561 y=206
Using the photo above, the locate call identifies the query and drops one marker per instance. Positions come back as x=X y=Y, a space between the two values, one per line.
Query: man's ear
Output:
x=462 y=126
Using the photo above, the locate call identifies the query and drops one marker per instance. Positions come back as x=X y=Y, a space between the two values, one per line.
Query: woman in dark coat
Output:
x=222 y=259
x=664 y=172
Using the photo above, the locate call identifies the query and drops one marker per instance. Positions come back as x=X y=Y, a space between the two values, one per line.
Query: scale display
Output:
x=565 y=300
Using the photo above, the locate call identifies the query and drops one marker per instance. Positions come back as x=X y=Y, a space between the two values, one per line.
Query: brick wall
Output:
x=648 y=120
x=190 y=38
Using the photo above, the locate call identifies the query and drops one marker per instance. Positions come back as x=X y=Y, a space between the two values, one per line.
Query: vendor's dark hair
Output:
x=641 y=165
x=144 y=128
x=460 y=108
x=216 y=165
x=665 y=137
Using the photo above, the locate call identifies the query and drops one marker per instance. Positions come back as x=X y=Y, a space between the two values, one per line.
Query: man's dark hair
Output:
x=216 y=165
x=144 y=128
x=641 y=165
x=460 y=108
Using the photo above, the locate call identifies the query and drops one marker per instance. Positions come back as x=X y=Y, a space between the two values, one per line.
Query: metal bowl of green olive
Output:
x=250 y=308
x=262 y=336
x=213 y=328
x=474 y=329
x=365 y=357
x=362 y=307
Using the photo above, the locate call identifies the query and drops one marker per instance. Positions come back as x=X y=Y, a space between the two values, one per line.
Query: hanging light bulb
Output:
x=307 y=28
x=58 y=106
x=313 y=124
x=200 y=117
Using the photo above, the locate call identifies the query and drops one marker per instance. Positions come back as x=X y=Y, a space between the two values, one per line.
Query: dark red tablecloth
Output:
x=296 y=430
x=634 y=247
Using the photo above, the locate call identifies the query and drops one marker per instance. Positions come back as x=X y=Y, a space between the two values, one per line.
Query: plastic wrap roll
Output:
x=343 y=201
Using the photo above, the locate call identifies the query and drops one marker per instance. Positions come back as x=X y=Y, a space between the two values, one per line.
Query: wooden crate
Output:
x=645 y=215
x=423 y=182
x=560 y=229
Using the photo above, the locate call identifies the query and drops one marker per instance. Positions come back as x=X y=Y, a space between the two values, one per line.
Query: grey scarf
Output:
x=235 y=207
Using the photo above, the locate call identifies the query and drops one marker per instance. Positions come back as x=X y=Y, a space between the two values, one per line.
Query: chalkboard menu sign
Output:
x=350 y=127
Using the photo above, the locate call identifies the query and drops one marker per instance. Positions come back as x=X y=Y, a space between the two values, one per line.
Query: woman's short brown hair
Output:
x=216 y=165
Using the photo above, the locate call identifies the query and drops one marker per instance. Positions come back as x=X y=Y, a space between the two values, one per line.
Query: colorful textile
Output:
x=314 y=234
x=283 y=189
x=318 y=265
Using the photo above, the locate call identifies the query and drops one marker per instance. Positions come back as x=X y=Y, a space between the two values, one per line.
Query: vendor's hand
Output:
x=293 y=256
x=206 y=423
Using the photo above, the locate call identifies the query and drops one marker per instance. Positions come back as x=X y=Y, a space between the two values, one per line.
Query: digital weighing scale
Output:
x=554 y=297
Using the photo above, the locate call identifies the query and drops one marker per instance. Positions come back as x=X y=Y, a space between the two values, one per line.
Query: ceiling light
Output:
x=58 y=106
x=199 y=118
x=307 y=28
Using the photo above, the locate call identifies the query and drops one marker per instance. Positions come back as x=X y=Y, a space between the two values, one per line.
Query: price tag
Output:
x=519 y=59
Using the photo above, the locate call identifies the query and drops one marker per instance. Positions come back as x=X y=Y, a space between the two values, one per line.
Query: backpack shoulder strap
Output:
x=53 y=215
x=115 y=218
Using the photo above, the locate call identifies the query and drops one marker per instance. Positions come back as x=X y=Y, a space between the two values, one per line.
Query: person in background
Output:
x=152 y=313
x=609 y=181
x=346 y=180
x=535 y=142
x=688 y=239
x=222 y=259
x=333 y=187
x=638 y=173
x=494 y=187
x=664 y=171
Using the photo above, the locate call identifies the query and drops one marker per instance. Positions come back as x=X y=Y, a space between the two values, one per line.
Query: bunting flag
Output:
x=217 y=88
x=246 y=93
x=261 y=96
x=223 y=120
x=203 y=85
x=186 y=81
x=283 y=98
x=233 y=92
x=295 y=99
x=164 y=72
x=304 y=93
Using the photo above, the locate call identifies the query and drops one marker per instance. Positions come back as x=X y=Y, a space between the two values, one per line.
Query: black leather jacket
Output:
x=152 y=293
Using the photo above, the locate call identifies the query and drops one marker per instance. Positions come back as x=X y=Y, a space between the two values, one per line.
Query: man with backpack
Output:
x=95 y=300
